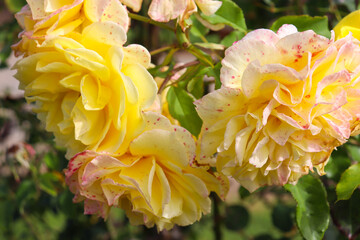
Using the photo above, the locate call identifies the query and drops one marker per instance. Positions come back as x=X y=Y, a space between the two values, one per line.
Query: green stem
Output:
x=217 y=219
x=172 y=73
x=148 y=20
x=160 y=50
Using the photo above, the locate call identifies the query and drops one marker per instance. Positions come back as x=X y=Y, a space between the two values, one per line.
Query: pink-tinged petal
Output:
x=255 y=75
x=94 y=9
x=222 y=104
x=135 y=5
x=260 y=154
x=95 y=207
x=116 y=13
x=285 y=30
x=53 y=5
x=264 y=35
x=107 y=33
x=279 y=131
x=135 y=53
x=101 y=166
x=37 y=8
x=297 y=44
x=165 y=10
x=242 y=53
x=208 y=7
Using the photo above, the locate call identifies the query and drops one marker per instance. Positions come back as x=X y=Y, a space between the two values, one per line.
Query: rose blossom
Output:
x=287 y=100
x=155 y=181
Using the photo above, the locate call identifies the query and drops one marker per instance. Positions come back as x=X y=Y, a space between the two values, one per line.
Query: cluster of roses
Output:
x=287 y=100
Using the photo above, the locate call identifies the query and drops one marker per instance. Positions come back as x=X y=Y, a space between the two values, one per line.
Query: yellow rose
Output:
x=89 y=90
x=287 y=100
x=43 y=19
x=350 y=23
x=156 y=181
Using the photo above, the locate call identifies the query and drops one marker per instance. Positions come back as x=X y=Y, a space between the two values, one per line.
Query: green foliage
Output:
x=312 y=211
x=282 y=217
x=37 y=204
x=237 y=217
x=181 y=107
x=338 y=163
x=232 y=37
x=349 y=181
x=15 y=5
x=230 y=14
x=303 y=23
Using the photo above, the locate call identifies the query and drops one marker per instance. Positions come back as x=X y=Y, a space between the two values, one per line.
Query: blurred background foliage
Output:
x=36 y=204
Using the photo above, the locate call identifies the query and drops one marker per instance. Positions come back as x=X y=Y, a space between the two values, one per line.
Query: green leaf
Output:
x=181 y=107
x=210 y=45
x=263 y=237
x=56 y=221
x=51 y=161
x=196 y=86
x=232 y=37
x=347 y=212
x=197 y=29
x=237 y=217
x=303 y=23
x=15 y=5
x=349 y=181
x=7 y=208
x=215 y=72
x=338 y=163
x=354 y=152
x=192 y=72
x=49 y=183
x=281 y=217
x=230 y=14
x=243 y=192
x=26 y=191
x=312 y=211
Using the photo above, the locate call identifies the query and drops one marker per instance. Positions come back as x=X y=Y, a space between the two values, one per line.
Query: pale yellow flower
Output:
x=156 y=181
x=350 y=23
x=165 y=10
x=287 y=100
x=44 y=19
x=89 y=90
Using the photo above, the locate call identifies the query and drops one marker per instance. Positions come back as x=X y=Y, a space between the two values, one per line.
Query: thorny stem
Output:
x=338 y=225
x=356 y=234
x=160 y=50
x=148 y=20
x=217 y=218
x=175 y=70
